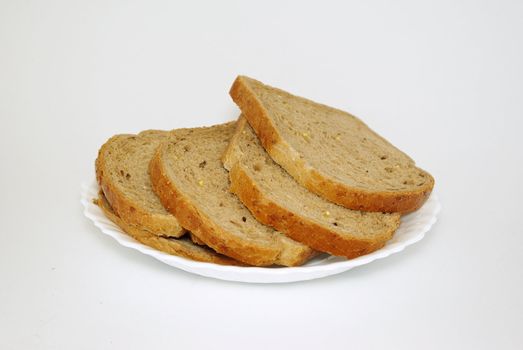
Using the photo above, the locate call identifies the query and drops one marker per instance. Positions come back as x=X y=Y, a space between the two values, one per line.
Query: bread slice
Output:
x=277 y=200
x=195 y=239
x=175 y=246
x=122 y=171
x=188 y=177
x=331 y=152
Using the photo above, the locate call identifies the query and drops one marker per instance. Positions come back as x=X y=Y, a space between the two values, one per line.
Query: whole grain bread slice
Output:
x=183 y=246
x=188 y=177
x=277 y=200
x=122 y=171
x=331 y=152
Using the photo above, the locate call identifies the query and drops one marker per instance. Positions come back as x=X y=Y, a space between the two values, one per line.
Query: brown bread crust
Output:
x=195 y=239
x=337 y=192
x=170 y=246
x=297 y=227
x=204 y=228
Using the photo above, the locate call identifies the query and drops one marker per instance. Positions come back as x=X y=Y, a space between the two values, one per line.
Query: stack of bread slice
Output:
x=288 y=180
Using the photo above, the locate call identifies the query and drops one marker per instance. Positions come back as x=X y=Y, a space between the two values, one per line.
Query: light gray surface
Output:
x=441 y=80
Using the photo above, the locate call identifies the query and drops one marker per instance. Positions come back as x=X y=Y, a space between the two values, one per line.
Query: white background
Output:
x=442 y=80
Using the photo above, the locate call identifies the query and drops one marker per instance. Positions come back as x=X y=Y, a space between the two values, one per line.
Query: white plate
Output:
x=412 y=229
